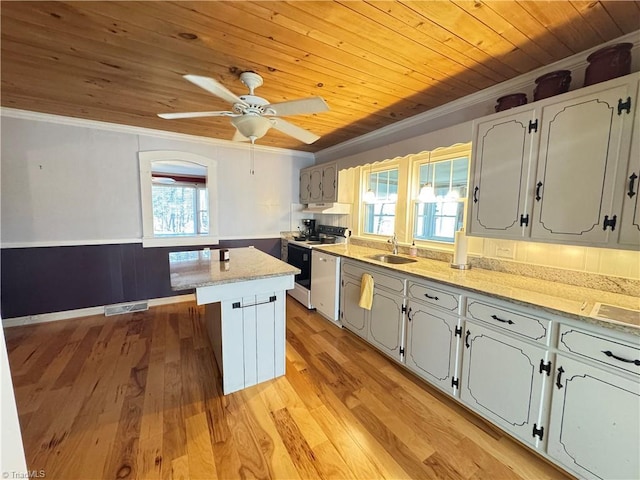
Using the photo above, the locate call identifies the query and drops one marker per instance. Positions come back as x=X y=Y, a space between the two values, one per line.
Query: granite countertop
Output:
x=202 y=268
x=557 y=298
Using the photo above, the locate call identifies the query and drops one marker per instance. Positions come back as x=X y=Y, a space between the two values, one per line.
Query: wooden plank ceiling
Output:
x=375 y=63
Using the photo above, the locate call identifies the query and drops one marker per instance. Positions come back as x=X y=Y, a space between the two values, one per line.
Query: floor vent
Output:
x=125 y=308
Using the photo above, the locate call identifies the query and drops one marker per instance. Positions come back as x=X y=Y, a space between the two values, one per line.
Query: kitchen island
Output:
x=245 y=316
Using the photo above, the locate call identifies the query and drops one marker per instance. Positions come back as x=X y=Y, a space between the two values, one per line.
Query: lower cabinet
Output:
x=502 y=379
x=352 y=315
x=386 y=323
x=433 y=343
x=595 y=421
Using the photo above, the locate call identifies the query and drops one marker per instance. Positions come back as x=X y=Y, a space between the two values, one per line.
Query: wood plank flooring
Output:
x=138 y=396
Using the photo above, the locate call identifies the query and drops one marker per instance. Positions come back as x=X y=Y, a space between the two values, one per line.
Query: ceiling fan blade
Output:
x=298 y=107
x=294 y=131
x=214 y=87
x=171 y=116
x=238 y=137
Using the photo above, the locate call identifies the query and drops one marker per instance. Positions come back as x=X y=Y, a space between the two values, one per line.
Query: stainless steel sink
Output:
x=388 y=258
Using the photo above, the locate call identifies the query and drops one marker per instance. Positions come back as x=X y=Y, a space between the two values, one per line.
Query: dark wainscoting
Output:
x=53 y=279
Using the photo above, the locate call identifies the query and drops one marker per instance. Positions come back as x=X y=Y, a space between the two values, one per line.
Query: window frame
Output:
x=149 y=238
x=365 y=173
x=439 y=155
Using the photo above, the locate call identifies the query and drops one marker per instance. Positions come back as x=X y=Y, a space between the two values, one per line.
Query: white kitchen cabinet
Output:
x=353 y=317
x=305 y=185
x=504 y=379
x=594 y=429
x=330 y=182
x=630 y=218
x=383 y=325
x=319 y=183
x=315 y=185
x=503 y=149
x=552 y=171
x=583 y=141
x=433 y=345
x=386 y=322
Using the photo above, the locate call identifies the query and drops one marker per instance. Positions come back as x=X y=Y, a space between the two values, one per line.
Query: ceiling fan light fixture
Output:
x=252 y=126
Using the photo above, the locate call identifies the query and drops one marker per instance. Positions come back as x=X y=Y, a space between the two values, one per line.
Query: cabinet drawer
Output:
x=601 y=349
x=531 y=327
x=438 y=297
x=379 y=279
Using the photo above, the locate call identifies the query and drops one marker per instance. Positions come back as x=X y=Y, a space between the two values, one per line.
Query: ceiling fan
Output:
x=253 y=116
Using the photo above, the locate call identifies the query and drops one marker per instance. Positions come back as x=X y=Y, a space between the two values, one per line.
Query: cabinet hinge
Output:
x=401 y=351
x=545 y=367
x=533 y=126
x=404 y=309
x=524 y=220
x=609 y=222
x=624 y=105
x=538 y=432
x=455 y=382
x=458 y=332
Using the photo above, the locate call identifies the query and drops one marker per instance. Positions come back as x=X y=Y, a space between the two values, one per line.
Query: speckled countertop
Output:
x=202 y=268
x=557 y=298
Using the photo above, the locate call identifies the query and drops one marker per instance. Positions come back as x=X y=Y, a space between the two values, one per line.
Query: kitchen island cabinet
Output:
x=245 y=316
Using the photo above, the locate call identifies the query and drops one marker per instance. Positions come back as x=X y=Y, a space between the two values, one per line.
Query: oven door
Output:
x=300 y=257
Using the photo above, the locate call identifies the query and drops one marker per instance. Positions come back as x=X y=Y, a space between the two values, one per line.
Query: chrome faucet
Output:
x=394 y=241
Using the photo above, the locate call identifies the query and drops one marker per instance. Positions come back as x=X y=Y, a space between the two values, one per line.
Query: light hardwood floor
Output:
x=138 y=396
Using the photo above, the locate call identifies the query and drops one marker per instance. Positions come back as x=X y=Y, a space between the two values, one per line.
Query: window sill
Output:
x=179 y=241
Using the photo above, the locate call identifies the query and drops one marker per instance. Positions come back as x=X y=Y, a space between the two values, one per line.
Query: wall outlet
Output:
x=504 y=252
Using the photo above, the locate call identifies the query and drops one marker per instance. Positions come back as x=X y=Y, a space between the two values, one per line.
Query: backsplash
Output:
x=601 y=269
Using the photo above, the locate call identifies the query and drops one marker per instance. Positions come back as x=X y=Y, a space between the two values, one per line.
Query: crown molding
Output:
x=406 y=128
x=133 y=130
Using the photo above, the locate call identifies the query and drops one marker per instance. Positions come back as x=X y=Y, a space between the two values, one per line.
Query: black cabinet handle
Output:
x=510 y=322
x=409 y=314
x=475 y=195
x=430 y=297
x=625 y=360
x=632 y=180
x=559 y=378
x=538 y=187
x=466 y=338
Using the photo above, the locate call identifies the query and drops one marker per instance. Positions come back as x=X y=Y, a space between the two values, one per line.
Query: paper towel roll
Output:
x=460 y=248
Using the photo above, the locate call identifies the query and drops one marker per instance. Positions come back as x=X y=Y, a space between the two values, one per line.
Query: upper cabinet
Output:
x=630 y=222
x=556 y=170
x=319 y=183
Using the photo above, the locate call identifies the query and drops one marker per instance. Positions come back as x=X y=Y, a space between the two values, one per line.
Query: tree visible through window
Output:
x=380 y=209
x=439 y=209
x=180 y=209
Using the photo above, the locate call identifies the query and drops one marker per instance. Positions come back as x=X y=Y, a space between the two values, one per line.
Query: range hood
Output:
x=330 y=208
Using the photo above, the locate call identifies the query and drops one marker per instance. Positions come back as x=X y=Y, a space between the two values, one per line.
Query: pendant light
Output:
x=370 y=195
x=427 y=192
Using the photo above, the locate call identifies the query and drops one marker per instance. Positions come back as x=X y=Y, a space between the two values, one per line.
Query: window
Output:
x=439 y=208
x=380 y=202
x=179 y=208
x=178 y=199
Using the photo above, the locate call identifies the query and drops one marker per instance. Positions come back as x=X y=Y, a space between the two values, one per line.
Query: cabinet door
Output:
x=315 y=185
x=432 y=345
x=352 y=315
x=595 y=421
x=503 y=149
x=501 y=380
x=305 y=186
x=628 y=190
x=386 y=321
x=329 y=183
x=581 y=144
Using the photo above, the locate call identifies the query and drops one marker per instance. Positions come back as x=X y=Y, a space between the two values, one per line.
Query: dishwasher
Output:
x=325 y=285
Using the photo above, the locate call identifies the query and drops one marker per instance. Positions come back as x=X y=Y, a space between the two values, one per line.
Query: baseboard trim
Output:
x=85 y=312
